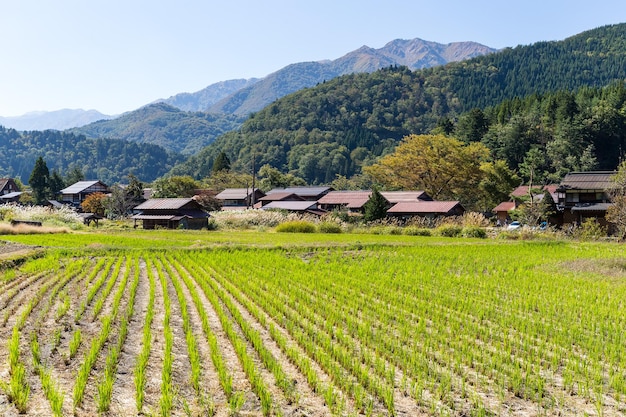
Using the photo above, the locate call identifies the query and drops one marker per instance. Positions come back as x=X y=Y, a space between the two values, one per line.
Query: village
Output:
x=579 y=197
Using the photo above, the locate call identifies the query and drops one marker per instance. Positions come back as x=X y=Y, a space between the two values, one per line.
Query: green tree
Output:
x=56 y=183
x=74 y=175
x=444 y=167
x=616 y=213
x=496 y=185
x=270 y=177
x=221 y=163
x=375 y=207
x=39 y=181
x=175 y=187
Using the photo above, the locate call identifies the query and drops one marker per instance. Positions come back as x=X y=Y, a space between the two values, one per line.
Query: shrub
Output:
x=417 y=231
x=474 y=231
x=329 y=227
x=448 y=230
x=296 y=226
x=590 y=229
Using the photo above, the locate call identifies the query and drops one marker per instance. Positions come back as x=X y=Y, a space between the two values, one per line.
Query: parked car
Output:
x=514 y=225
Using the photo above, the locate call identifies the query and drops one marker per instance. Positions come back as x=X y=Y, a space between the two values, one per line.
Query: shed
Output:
x=431 y=209
x=171 y=213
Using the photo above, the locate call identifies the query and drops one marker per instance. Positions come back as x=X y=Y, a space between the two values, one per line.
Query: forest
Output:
x=346 y=123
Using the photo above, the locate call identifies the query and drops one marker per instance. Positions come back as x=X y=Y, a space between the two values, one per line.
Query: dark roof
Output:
x=81 y=186
x=423 y=207
x=165 y=204
x=302 y=191
x=592 y=180
x=236 y=193
x=597 y=207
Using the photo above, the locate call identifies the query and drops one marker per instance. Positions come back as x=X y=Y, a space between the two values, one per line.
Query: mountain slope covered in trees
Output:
x=413 y=53
x=164 y=125
x=342 y=124
x=106 y=159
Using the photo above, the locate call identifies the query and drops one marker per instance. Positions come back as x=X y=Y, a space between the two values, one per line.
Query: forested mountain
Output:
x=108 y=160
x=164 y=125
x=414 y=54
x=337 y=126
x=59 y=120
x=205 y=98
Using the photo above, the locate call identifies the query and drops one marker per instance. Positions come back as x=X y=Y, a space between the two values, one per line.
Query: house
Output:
x=519 y=196
x=583 y=195
x=76 y=193
x=278 y=196
x=353 y=201
x=7 y=186
x=171 y=213
x=239 y=198
x=307 y=193
x=302 y=207
x=430 y=209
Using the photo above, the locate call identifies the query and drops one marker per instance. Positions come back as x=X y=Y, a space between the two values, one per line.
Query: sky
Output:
x=118 y=55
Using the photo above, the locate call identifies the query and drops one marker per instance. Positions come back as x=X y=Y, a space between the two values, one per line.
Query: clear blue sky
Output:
x=117 y=55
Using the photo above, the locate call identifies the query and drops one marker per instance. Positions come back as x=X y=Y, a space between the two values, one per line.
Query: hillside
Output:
x=414 y=54
x=105 y=159
x=205 y=98
x=58 y=120
x=337 y=126
x=164 y=125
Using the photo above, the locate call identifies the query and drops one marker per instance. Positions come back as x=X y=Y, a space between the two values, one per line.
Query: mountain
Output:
x=414 y=54
x=164 y=125
x=347 y=122
x=58 y=120
x=207 y=97
x=106 y=159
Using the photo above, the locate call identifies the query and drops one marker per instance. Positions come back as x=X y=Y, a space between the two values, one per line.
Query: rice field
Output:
x=264 y=324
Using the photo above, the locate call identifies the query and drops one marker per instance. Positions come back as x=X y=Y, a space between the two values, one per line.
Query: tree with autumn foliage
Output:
x=442 y=166
x=94 y=203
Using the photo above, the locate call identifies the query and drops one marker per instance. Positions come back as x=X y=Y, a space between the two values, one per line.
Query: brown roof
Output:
x=398 y=196
x=164 y=204
x=350 y=199
x=291 y=205
x=505 y=206
x=278 y=196
x=422 y=207
x=593 y=180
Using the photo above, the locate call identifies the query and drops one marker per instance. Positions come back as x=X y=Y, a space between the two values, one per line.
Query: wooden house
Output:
x=76 y=193
x=171 y=213
x=352 y=201
x=8 y=186
x=302 y=207
x=583 y=195
x=278 y=196
x=239 y=198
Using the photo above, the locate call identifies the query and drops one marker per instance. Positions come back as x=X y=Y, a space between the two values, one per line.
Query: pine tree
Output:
x=39 y=181
x=222 y=163
x=375 y=207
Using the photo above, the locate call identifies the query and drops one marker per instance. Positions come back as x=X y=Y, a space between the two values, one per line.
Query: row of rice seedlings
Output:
x=107 y=289
x=103 y=267
x=192 y=345
x=51 y=389
x=45 y=283
x=105 y=386
x=239 y=344
x=144 y=355
x=333 y=357
x=96 y=346
x=166 y=401
x=224 y=375
x=302 y=362
x=269 y=361
x=10 y=291
x=17 y=389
